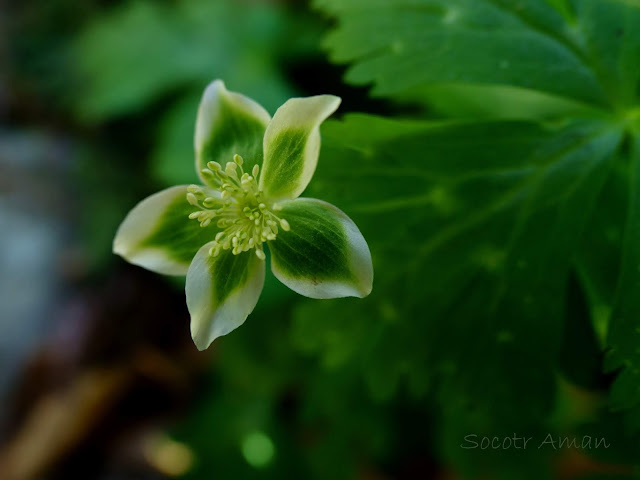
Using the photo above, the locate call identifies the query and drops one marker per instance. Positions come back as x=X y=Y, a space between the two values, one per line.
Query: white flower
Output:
x=253 y=169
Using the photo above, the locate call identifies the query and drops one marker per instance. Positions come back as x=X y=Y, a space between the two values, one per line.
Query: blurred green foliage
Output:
x=499 y=195
x=191 y=42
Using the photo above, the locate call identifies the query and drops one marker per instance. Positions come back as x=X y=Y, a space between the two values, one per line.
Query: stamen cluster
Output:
x=236 y=203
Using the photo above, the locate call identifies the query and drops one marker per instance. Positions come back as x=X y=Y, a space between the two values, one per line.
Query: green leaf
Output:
x=158 y=235
x=624 y=330
x=604 y=235
x=228 y=123
x=292 y=144
x=609 y=35
x=323 y=255
x=581 y=355
x=386 y=355
x=474 y=101
x=221 y=292
x=472 y=227
x=193 y=41
x=585 y=52
x=172 y=160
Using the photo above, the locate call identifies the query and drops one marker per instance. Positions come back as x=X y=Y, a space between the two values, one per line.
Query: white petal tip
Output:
x=117 y=249
x=202 y=344
x=333 y=102
x=121 y=247
x=214 y=86
x=364 y=290
x=203 y=338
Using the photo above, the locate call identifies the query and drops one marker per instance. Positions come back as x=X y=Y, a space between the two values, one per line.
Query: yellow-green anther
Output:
x=230 y=169
x=246 y=220
x=208 y=174
x=191 y=198
x=196 y=190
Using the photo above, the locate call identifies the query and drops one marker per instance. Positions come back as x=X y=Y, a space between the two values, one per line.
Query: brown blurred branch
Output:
x=120 y=363
x=60 y=421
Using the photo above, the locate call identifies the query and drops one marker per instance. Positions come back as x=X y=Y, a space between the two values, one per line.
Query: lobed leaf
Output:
x=585 y=50
x=400 y=45
x=472 y=227
x=624 y=331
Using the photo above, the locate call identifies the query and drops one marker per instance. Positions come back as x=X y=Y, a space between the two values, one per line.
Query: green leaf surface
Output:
x=624 y=331
x=172 y=160
x=475 y=101
x=501 y=238
x=581 y=355
x=609 y=35
x=585 y=50
x=472 y=227
x=598 y=259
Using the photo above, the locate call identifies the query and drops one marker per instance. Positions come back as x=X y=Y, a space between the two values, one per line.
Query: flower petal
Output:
x=221 y=292
x=292 y=144
x=228 y=123
x=158 y=235
x=323 y=255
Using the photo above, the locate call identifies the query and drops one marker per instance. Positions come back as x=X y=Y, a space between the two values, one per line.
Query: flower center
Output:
x=238 y=207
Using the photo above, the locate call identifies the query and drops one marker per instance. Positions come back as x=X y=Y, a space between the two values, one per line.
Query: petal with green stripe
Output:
x=221 y=292
x=292 y=145
x=158 y=234
x=323 y=255
x=228 y=123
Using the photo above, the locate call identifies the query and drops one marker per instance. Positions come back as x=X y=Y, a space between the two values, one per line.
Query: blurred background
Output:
x=99 y=378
